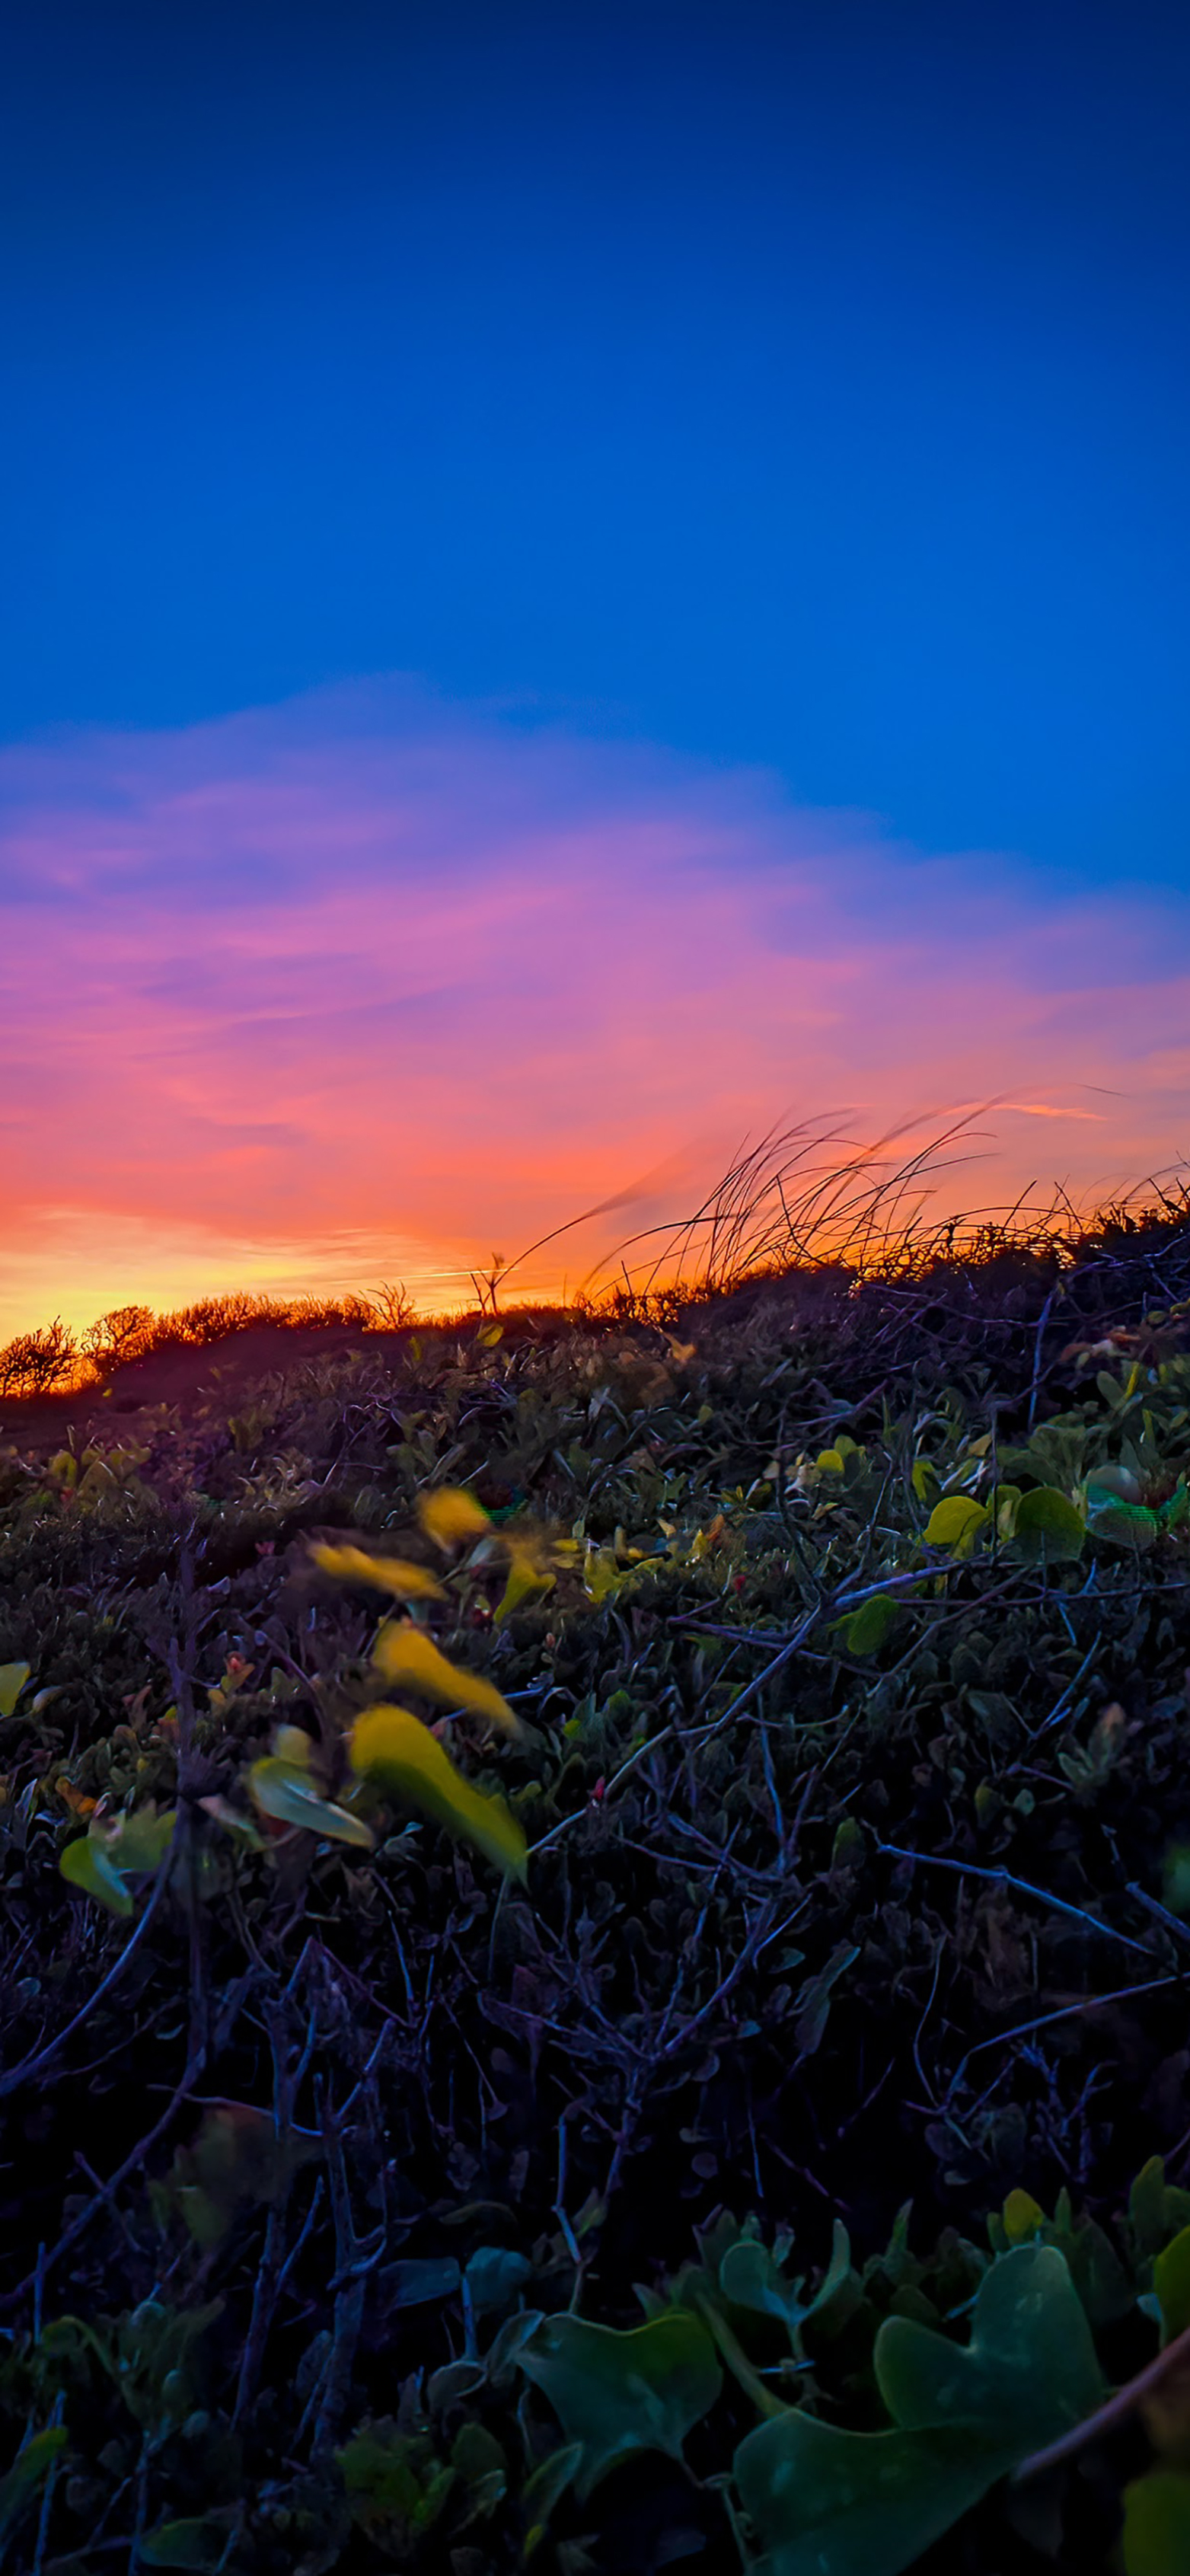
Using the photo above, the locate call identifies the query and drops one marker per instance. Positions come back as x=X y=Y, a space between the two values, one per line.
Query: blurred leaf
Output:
x=1157 y=2524
x=86 y=1866
x=283 y=1789
x=28 y=2473
x=234 y=1822
x=115 y=1849
x=450 y=1514
x=1171 y=2285
x=236 y=2161
x=388 y=1573
x=403 y=1653
x=141 y=1840
x=618 y=2392
x=391 y=1745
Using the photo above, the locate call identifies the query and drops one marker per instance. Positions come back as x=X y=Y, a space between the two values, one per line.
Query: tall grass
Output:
x=851 y=1216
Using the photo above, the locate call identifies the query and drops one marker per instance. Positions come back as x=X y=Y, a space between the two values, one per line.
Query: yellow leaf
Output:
x=525 y=1576
x=1022 y=2217
x=292 y=1744
x=451 y=1514
x=955 y=1522
x=388 y=1573
x=391 y=1745
x=404 y=1653
x=13 y=1678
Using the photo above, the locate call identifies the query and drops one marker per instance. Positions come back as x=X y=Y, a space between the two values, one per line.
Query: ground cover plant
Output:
x=595 y=1910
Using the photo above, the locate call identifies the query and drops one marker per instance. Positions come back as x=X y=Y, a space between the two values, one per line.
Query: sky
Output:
x=581 y=584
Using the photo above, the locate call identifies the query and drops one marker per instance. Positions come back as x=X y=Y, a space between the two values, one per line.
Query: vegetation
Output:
x=595 y=1912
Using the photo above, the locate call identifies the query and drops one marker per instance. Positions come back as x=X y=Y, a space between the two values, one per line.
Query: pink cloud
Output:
x=369 y=986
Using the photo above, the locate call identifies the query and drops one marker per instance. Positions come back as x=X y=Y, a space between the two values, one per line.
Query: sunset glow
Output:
x=371 y=987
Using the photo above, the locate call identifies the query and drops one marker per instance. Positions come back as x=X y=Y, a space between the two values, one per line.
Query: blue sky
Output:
x=802 y=385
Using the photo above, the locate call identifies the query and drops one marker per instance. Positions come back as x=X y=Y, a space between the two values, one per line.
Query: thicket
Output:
x=595 y=1929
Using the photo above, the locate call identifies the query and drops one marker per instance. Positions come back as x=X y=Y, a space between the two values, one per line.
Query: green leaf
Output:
x=85 y=1865
x=28 y=2473
x=1029 y=2372
x=419 y=2279
x=199 y=2542
x=544 y=2488
x=115 y=1849
x=284 y=1790
x=141 y=1841
x=751 y=2278
x=616 y=2393
x=1157 y=2209
x=1047 y=1524
x=13 y=1678
x=396 y=2484
x=865 y=1629
x=495 y=2277
x=1171 y=2284
x=824 y=2502
x=1157 y=2524
x=814 y=1999
x=832 y=2503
